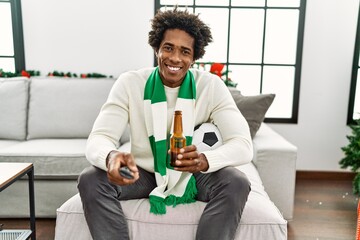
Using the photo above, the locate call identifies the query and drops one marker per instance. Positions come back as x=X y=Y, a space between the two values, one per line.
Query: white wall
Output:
x=110 y=37
x=83 y=36
x=330 y=29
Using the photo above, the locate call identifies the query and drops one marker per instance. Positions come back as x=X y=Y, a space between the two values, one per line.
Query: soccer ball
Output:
x=206 y=137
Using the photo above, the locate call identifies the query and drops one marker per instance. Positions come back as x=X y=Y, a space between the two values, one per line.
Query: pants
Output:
x=225 y=191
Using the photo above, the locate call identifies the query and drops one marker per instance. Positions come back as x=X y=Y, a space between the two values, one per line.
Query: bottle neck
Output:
x=178 y=129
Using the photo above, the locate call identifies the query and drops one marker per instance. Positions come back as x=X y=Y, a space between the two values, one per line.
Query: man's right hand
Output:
x=119 y=159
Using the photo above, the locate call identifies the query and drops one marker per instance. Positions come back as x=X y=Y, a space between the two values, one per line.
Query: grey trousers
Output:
x=225 y=191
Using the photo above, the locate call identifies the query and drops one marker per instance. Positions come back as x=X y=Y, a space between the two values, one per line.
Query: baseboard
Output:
x=325 y=175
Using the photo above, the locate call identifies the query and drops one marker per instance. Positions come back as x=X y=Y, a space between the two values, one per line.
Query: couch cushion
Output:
x=65 y=107
x=13 y=108
x=52 y=158
x=260 y=219
x=6 y=143
x=253 y=108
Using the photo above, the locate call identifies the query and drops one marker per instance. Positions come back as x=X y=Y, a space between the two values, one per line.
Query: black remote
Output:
x=126 y=172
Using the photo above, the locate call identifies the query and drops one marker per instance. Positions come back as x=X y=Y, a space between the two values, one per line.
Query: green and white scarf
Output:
x=173 y=187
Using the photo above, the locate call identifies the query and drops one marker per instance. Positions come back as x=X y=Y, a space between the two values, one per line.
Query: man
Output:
x=146 y=100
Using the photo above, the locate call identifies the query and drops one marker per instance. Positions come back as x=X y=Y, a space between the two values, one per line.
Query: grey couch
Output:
x=46 y=120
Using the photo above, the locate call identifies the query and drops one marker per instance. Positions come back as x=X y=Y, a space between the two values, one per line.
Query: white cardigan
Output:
x=124 y=106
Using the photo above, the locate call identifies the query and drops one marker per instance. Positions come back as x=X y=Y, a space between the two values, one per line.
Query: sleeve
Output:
x=109 y=125
x=237 y=148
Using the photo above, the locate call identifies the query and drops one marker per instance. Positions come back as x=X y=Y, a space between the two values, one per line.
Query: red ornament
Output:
x=216 y=68
x=358 y=222
x=83 y=75
x=25 y=74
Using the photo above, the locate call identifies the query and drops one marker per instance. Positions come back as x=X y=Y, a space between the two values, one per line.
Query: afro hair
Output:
x=182 y=20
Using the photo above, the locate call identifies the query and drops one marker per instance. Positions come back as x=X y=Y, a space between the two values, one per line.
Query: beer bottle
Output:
x=177 y=139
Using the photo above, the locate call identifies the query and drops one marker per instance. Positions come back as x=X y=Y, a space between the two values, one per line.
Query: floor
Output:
x=324 y=210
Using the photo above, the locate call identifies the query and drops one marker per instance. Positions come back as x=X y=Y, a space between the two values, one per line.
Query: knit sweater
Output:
x=125 y=106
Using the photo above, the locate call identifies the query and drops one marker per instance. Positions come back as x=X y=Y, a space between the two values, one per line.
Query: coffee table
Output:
x=10 y=173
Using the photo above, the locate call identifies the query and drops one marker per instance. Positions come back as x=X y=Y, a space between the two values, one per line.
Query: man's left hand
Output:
x=189 y=160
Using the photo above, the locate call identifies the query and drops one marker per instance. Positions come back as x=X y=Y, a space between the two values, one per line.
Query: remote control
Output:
x=126 y=172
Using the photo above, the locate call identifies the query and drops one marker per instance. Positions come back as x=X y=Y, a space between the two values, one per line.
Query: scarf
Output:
x=173 y=187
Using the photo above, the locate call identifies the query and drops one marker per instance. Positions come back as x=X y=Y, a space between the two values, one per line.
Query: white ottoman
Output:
x=260 y=220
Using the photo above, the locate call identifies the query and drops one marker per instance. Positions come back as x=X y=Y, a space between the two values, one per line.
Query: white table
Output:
x=10 y=173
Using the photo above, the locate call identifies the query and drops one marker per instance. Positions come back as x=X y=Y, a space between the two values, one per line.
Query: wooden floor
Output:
x=325 y=209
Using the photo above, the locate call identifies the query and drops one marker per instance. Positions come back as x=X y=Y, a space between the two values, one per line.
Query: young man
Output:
x=146 y=100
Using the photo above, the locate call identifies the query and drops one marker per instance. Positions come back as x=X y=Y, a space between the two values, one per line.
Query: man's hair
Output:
x=182 y=20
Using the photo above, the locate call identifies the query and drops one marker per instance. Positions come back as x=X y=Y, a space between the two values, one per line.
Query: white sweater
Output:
x=125 y=106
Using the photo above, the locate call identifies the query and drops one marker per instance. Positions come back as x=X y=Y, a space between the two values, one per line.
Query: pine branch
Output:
x=352 y=155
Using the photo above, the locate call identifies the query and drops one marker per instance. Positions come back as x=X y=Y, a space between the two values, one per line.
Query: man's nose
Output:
x=175 y=56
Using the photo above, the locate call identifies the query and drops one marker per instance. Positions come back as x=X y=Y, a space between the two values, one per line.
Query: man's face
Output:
x=175 y=56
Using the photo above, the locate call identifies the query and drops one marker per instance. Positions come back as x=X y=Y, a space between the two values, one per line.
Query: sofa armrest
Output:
x=275 y=160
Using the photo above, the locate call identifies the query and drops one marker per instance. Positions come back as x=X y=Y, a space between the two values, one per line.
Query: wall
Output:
x=83 y=36
x=110 y=37
x=330 y=29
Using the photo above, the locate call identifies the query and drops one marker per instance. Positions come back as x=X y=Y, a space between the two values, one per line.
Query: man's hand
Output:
x=189 y=160
x=117 y=160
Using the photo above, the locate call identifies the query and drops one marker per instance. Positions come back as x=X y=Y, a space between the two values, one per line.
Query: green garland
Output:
x=82 y=75
x=217 y=69
x=32 y=73
x=27 y=73
x=61 y=74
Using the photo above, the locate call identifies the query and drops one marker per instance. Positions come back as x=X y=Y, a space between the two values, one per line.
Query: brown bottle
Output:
x=177 y=139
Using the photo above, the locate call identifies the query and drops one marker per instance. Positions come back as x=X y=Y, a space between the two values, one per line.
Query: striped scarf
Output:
x=173 y=187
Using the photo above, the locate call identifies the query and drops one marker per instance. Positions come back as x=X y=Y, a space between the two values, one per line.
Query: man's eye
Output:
x=167 y=48
x=186 y=52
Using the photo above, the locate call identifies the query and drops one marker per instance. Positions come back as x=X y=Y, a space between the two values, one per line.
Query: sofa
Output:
x=46 y=121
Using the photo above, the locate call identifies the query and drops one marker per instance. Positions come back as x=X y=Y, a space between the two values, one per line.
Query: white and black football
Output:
x=207 y=137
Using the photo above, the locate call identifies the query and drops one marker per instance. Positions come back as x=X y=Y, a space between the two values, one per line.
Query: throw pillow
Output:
x=253 y=108
x=13 y=108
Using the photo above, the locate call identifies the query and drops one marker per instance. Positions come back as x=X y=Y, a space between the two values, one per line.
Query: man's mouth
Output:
x=171 y=68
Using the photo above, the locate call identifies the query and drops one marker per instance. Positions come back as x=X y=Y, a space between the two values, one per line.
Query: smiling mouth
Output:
x=174 y=69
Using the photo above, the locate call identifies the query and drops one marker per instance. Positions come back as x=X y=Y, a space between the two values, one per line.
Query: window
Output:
x=260 y=43
x=354 y=101
x=11 y=37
